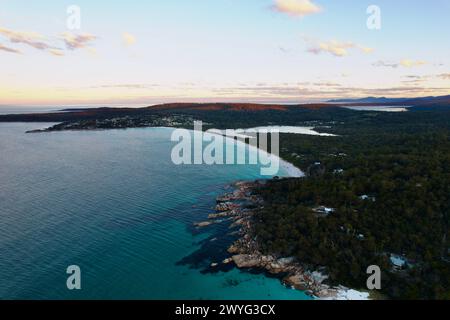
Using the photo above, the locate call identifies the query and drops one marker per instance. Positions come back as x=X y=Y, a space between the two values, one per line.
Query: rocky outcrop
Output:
x=246 y=261
x=246 y=254
x=226 y=206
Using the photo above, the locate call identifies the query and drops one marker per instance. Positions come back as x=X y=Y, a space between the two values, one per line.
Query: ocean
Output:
x=18 y=110
x=113 y=203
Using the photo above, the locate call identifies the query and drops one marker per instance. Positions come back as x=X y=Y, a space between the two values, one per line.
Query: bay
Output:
x=113 y=203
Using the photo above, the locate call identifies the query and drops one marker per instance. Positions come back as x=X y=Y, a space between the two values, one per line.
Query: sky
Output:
x=138 y=53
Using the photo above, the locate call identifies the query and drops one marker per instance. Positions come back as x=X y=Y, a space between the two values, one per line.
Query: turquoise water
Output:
x=113 y=203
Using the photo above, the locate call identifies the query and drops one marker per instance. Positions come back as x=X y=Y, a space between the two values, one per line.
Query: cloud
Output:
x=39 y=42
x=408 y=63
x=445 y=76
x=56 y=52
x=366 y=49
x=413 y=82
x=296 y=8
x=8 y=49
x=125 y=86
x=294 y=93
x=77 y=41
x=326 y=84
x=336 y=48
x=128 y=39
x=413 y=77
x=32 y=39
x=381 y=63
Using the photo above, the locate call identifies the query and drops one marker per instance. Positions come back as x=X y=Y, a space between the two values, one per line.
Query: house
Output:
x=400 y=262
x=323 y=211
x=367 y=197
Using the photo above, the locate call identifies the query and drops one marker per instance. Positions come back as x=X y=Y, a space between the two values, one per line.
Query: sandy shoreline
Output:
x=291 y=170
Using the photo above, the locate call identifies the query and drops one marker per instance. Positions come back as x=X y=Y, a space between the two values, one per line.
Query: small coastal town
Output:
x=141 y=121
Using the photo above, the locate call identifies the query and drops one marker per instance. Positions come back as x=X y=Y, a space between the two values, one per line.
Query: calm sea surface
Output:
x=113 y=203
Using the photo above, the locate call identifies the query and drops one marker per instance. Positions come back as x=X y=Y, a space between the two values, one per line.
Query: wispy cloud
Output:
x=335 y=48
x=407 y=63
x=39 y=42
x=381 y=63
x=32 y=39
x=326 y=84
x=296 y=8
x=366 y=49
x=313 y=91
x=128 y=39
x=125 y=86
x=77 y=41
x=445 y=76
x=56 y=52
x=413 y=77
x=8 y=49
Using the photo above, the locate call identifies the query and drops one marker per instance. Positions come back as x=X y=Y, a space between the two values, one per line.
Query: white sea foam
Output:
x=351 y=294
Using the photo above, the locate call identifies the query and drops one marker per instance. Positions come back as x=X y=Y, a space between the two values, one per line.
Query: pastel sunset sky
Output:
x=138 y=52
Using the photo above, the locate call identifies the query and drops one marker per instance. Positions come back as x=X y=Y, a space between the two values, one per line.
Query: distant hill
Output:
x=218 y=107
x=441 y=100
x=369 y=100
x=244 y=107
x=162 y=109
x=205 y=108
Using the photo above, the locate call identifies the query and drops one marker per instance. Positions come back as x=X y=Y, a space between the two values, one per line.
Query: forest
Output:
x=387 y=178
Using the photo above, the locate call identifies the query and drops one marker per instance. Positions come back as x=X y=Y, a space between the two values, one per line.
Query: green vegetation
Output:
x=387 y=176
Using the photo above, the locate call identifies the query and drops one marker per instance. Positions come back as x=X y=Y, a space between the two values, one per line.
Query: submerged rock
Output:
x=203 y=224
x=220 y=215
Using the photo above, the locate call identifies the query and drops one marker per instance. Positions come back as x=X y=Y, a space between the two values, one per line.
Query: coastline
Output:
x=291 y=170
x=239 y=207
x=245 y=253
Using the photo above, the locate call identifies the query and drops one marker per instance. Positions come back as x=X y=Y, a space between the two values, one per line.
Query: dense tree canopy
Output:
x=388 y=178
